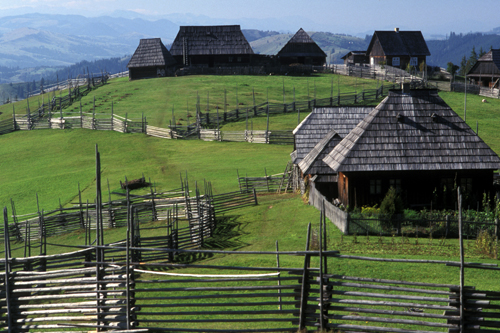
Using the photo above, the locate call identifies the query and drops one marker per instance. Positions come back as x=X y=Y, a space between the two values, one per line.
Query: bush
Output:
x=392 y=203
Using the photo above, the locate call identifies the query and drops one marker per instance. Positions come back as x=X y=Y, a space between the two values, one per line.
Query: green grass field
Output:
x=157 y=97
x=52 y=163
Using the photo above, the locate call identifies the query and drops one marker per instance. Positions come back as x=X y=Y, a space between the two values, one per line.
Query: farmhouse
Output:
x=486 y=71
x=411 y=141
x=356 y=57
x=151 y=59
x=397 y=48
x=211 y=46
x=302 y=49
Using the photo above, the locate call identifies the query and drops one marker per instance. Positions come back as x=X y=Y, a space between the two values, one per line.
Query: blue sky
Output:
x=429 y=16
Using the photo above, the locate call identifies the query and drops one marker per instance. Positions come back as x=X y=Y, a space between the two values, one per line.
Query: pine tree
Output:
x=463 y=65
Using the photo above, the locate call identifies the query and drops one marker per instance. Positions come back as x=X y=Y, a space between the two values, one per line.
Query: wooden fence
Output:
x=476 y=90
x=93 y=289
x=270 y=137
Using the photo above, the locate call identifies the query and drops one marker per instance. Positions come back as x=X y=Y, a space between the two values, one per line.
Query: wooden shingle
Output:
x=428 y=135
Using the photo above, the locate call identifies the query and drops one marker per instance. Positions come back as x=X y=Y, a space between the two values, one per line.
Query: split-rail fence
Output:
x=94 y=289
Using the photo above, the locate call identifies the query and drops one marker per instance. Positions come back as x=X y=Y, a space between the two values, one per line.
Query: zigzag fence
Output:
x=476 y=90
x=96 y=289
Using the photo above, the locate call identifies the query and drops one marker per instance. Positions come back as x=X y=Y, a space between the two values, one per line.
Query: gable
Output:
x=151 y=53
x=301 y=45
x=321 y=121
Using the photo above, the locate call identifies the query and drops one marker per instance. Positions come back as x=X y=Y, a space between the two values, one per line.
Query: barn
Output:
x=151 y=59
x=302 y=49
x=411 y=141
x=486 y=71
x=398 y=48
x=356 y=58
x=414 y=142
x=211 y=46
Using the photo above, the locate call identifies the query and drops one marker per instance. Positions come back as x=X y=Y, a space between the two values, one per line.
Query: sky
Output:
x=351 y=17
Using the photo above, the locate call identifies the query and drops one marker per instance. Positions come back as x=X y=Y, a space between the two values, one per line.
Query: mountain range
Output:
x=44 y=40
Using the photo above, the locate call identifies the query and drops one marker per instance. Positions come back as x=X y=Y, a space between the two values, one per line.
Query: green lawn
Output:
x=52 y=163
x=157 y=97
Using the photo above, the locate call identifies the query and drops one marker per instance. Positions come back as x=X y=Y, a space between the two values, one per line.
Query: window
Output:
x=239 y=59
x=395 y=61
x=230 y=59
x=396 y=183
x=466 y=185
x=413 y=61
x=375 y=186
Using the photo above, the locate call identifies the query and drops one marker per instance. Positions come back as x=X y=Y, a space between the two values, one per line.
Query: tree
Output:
x=481 y=52
x=463 y=66
x=452 y=68
x=472 y=60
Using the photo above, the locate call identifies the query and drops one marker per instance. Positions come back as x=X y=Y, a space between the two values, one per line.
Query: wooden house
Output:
x=486 y=71
x=302 y=49
x=151 y=59
x=398 y=48
x=211 y=46
x=417 y=144
x=355 y=58
x=317 y=135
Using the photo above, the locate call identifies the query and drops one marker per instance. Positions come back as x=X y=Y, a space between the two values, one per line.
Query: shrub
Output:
x=392 y=203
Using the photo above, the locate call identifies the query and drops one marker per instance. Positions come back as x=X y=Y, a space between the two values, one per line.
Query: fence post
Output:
x=7 y=268
x=255 y=196
x=304 y=292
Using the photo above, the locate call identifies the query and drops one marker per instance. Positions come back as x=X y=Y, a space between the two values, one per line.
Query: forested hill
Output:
x=456 y=46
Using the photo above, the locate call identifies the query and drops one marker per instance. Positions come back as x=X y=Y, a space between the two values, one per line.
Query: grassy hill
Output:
x=156 y=98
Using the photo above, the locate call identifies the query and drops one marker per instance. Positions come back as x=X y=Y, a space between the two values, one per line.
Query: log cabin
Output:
x=211 y=46
x=398 y=48
x=151 y=59
x=301 y=49
x=412 y=141
x=486 y=71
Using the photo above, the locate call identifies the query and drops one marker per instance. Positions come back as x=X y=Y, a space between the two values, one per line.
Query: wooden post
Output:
x=127 y=257
x=321 y=282
x=218 y=127
x=298 y=116
x=255 y=196
x=112 y=117
x=279 y=280
x=304 y=293
x=81 y=116
x=254 y=106
x=460 y=231
x=225 y=100
x=267 y=125
x=7 y=269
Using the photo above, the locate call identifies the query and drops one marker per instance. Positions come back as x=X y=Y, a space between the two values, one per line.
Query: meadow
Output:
x=51 y=163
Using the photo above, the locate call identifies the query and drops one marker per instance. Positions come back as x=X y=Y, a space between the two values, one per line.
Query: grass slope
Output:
x=52 y=163
x=155 y=98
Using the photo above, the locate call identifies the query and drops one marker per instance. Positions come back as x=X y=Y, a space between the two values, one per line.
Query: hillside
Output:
x=458 y=45
x=59 y=40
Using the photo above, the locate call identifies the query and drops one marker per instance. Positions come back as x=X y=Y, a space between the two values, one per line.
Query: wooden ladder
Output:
x=285 y=174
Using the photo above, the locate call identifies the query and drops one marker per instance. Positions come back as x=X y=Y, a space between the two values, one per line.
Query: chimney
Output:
x=405 y=87
x=396 y=29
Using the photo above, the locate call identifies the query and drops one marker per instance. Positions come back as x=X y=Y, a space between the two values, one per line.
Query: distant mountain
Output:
x=59 y=40
x=456 y=46
x=334 y=45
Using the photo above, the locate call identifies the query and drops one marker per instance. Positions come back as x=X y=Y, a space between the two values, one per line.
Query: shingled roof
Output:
x=321 y=121
x=487 y=64
x=301 y=45
x=151 y=52
x=400 y=43
x=211 y=40
x=412 y=131
x=313 y=162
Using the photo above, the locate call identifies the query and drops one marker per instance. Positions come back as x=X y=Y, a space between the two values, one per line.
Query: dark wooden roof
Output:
x=211 y=40
x=412 y=131
x=313 y=162
x=487 y=64
x=151 y=52
x=321 y=121
x=301 y=45
x=356 y=53
x=400 y=43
